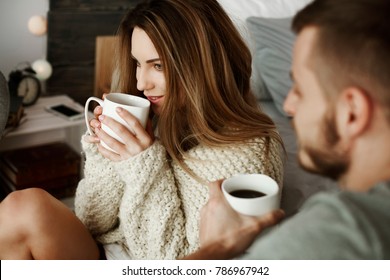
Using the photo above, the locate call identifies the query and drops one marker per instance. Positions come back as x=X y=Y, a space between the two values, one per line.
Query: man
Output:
x=340 y=104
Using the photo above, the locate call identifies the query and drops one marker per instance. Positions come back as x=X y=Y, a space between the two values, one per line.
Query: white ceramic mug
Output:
x=137 y=106
x=257 y=206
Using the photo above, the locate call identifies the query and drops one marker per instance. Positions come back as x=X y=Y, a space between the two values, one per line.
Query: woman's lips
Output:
x=154 y=99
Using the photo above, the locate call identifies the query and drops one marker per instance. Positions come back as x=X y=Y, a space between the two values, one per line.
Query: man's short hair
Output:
x=352 y=47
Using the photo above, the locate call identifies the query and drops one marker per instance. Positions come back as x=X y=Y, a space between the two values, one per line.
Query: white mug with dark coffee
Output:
x=252 y=194
x=137 y=106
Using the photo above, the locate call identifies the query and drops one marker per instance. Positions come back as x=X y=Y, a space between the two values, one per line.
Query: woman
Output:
x=188 y=59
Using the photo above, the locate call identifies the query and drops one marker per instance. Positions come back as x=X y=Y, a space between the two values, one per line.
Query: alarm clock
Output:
x=25 y=84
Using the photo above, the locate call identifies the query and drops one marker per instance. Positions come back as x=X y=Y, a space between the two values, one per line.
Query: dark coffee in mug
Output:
x=247 y=193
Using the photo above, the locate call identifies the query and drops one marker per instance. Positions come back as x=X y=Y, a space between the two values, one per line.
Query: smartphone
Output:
x=66 y=112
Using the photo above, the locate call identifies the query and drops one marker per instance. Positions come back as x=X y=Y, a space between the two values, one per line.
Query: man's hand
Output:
x=224 y=233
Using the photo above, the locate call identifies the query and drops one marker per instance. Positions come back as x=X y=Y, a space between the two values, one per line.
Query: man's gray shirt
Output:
x=342 y=225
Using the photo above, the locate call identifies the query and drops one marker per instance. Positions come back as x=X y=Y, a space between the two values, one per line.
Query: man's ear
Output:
x=355 y=111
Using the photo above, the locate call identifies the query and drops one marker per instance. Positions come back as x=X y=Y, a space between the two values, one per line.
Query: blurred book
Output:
x=54 y=167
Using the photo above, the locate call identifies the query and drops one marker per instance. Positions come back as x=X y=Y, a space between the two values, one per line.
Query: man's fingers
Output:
x=271 y=218
x=215 y=188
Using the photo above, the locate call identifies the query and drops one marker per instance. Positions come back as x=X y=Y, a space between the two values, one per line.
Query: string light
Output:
x=37 y=25
x=43 y=69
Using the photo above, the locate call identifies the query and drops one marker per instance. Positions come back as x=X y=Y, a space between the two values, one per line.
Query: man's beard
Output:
x=327 y=160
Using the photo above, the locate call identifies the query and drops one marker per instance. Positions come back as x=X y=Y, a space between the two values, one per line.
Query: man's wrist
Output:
x=211 y=251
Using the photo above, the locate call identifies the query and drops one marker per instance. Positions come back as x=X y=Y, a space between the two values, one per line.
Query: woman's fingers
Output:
x=134 y=131
x=91 y=139
x=108 y=153
x=138 y=130
x=109 y=140
x=119 y=129
x=95 y=123
x=129 y=148
x=98 y=111
x=133 y=138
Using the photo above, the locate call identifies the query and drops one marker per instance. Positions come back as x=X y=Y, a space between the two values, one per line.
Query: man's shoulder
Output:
x=376 y=199
x=333 y=225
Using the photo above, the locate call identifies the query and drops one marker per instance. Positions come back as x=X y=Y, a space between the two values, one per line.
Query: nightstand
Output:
x=39 y=127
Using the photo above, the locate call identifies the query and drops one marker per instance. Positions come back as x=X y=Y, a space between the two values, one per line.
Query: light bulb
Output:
x=37 y=25
x=43 y=69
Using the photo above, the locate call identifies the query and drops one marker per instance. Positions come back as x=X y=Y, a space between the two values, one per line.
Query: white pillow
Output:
x=262 y=8
x=240 y=10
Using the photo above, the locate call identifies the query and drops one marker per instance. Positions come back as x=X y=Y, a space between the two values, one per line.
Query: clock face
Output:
x=29 y=89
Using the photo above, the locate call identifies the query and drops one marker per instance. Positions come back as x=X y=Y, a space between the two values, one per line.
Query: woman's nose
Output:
x=142 y=79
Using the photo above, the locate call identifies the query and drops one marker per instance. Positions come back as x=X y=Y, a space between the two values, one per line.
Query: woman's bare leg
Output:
x=35 y=225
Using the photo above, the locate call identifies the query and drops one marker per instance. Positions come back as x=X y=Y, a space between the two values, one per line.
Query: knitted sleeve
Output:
x=151 y=205
x=134 y=202
x=151 y=217
x=248 y=157
x=215 y=163
x=99 y=193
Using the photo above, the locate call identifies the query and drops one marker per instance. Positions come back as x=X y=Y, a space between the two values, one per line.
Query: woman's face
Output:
x=149 y=74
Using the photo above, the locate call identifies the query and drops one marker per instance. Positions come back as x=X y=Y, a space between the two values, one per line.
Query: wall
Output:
x=17 y=44
x=69 y=44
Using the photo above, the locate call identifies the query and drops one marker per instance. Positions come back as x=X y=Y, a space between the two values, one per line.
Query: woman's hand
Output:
x=136 y=139
x=95 y=123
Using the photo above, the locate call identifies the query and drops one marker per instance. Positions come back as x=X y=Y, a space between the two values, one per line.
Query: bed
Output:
x=265 y=26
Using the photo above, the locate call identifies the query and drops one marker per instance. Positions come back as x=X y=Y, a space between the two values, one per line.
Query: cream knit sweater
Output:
x=150 y=205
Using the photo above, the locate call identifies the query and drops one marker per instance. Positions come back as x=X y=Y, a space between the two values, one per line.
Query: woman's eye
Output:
x=158 y=67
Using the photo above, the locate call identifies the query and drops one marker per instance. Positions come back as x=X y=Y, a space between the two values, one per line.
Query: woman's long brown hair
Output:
x=207 y=67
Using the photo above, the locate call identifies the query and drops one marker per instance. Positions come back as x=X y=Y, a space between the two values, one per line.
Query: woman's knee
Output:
x=25 y=205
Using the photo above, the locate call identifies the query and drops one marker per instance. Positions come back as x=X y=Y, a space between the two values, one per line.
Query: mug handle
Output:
x=98 y=100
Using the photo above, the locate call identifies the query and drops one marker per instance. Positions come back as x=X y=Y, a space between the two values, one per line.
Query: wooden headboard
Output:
x=104 y=63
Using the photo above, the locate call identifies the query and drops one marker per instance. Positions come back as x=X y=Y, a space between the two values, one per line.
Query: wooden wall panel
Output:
x=73 y=26
x=91 y=4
